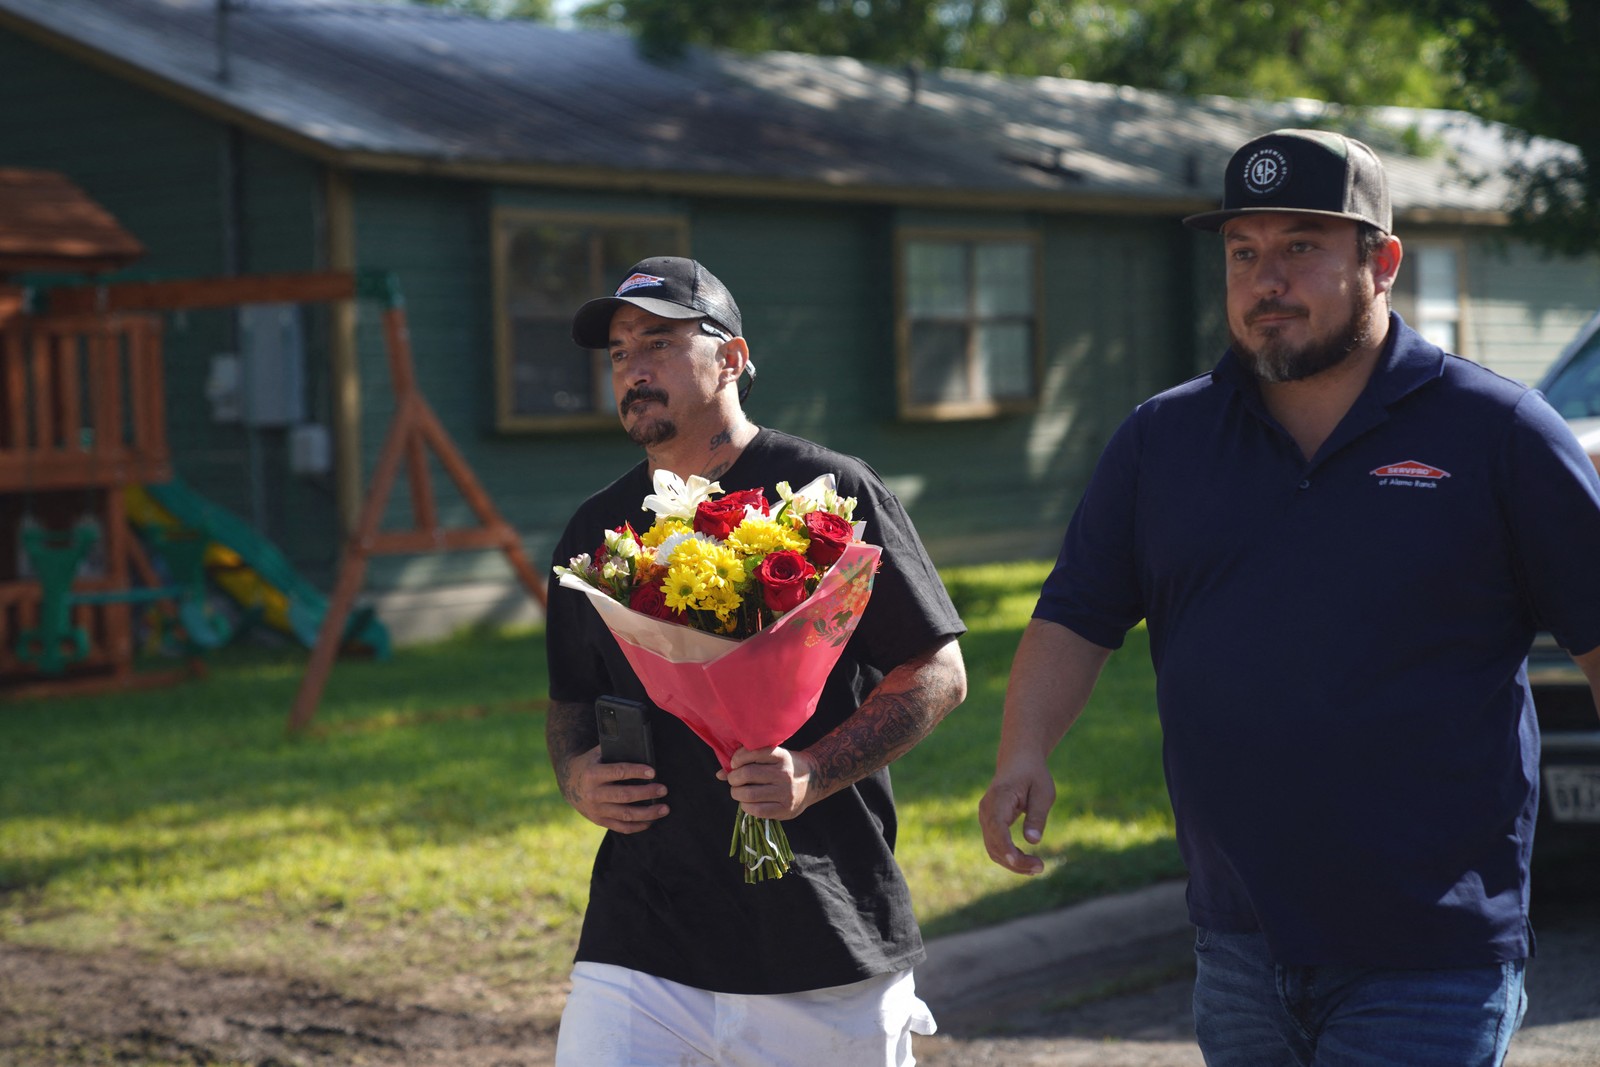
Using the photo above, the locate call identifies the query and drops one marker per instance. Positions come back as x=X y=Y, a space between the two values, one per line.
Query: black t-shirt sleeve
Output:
x=909 y=612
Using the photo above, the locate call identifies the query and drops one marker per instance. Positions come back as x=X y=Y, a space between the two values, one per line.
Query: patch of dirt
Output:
x=58 y=1008
x=1139 y=1026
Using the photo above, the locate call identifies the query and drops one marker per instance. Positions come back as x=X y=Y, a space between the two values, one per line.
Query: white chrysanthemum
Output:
x=665 y=549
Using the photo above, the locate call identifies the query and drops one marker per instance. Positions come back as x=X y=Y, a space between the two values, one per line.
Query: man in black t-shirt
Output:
x=680 y=960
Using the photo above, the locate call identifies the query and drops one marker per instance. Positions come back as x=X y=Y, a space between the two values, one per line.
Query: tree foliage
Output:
x=1343 y=50
x=1533 y=64
x=538 y=10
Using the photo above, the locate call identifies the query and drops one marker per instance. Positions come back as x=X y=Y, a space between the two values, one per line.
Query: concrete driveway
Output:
x=1107 y=983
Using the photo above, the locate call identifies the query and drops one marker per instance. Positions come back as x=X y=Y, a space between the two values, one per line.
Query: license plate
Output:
x=1574 y=793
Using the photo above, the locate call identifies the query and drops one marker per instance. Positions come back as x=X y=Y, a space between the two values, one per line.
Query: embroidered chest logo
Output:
x=1411 y=475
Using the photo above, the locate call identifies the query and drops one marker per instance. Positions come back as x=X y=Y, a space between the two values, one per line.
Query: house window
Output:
x=546 y=266
x=968 y=324
x=1439 y=295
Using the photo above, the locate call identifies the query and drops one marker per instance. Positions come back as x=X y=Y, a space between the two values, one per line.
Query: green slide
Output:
x=251 y=569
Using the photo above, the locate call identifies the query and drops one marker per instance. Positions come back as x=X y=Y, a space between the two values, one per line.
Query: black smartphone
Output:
x=624 y=731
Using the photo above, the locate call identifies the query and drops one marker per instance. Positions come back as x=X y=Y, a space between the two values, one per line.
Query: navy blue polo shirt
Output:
x=1348 y=736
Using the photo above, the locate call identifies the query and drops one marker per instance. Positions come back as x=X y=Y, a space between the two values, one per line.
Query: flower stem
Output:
x=761 y=846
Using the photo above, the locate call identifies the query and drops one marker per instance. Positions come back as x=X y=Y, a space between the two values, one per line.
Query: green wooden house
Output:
x=967 y=279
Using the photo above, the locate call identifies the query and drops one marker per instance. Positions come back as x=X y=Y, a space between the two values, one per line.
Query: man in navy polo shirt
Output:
x=1343 y=540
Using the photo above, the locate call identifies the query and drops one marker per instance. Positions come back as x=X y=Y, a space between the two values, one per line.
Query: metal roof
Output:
x=397 y=86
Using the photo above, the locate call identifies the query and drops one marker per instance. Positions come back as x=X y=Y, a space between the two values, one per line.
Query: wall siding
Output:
x=819 y=318
x=163 y=172
x=1524 y=306
x=1130 y=306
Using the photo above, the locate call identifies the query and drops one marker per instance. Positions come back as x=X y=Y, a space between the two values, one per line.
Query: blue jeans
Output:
x=1249 y=1012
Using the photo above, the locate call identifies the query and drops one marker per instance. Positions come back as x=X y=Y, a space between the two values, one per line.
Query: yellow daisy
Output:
x=762 y=537
x=663 y=529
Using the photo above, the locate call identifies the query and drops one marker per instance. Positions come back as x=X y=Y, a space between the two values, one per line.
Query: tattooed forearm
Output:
x=903 y=710
x=569 y=731
x=870 y=739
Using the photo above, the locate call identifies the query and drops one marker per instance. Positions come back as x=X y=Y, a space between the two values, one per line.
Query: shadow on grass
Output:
x=1072 y=875
x=441 y=745
x=1110 y=763
x=444 y=745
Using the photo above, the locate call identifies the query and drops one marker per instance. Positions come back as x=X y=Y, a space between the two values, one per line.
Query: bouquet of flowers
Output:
x=720 y=596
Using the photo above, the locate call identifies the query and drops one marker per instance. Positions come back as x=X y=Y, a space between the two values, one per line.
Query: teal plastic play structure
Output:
x=198 y=525
x=264 y=567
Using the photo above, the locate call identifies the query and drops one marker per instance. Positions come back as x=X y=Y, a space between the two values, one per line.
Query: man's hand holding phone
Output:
x=614 y=782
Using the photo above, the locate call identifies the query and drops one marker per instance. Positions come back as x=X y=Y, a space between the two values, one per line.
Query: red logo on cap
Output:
x=638 y=281
x=1410 y=469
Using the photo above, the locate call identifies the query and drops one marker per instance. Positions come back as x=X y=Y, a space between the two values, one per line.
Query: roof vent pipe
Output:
x=224 y=9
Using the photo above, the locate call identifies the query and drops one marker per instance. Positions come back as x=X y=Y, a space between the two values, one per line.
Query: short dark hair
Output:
x=1369 y=239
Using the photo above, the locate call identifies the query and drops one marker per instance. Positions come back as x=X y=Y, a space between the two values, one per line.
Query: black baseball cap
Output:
x=1311 y=172
x=669 y=286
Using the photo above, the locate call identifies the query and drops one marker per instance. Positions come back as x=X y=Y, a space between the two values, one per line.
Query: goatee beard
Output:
x=659 y=431
x=647 y=432
x=1278 y=361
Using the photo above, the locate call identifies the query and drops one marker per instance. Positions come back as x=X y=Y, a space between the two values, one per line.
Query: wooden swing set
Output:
x=51 y=439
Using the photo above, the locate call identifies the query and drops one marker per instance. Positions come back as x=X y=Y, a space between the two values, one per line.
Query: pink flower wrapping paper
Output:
x=751 y=693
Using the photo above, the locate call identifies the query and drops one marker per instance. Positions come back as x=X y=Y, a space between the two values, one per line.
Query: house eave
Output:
x=209 y=106
x=1040 y=199
x=701 y=183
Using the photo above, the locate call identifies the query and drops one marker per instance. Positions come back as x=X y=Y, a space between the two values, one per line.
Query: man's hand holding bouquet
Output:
x=732 y=612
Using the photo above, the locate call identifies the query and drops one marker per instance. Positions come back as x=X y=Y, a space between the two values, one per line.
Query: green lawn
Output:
x=416 y=841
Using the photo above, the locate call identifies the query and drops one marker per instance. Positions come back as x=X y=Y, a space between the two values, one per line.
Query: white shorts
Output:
x=616 y=1017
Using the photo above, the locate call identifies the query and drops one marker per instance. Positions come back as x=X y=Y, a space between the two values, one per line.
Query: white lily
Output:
x=819 y=494
x=676 y=499
x=578 y=565
x=808 y=497
x=621 y=544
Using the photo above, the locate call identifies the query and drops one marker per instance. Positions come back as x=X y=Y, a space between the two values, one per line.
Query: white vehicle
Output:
x=1568 y=723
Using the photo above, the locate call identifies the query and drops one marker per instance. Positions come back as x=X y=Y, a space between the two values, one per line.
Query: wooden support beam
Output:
x=414 y=431
x=194 y=293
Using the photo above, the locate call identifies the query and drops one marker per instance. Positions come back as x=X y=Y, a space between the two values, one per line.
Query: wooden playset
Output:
x=81 y=421
x=81 y=418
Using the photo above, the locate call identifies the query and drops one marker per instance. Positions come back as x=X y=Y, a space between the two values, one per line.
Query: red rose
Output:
x=717 y=518
x=651 y=600
x=830 y=534
x=783 y=577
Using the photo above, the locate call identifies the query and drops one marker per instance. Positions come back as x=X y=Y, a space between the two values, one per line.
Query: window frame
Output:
x=1413 y=313
x=504 y=222
x=969 y=409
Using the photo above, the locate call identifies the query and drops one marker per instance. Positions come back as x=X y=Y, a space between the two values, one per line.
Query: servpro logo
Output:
x=1411 y=474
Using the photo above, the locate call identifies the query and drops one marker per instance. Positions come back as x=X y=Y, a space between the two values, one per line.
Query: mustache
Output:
x=1271 y=307
x=638 y=393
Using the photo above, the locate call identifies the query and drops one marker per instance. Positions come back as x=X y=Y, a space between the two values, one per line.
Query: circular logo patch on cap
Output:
x=1265 y=171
